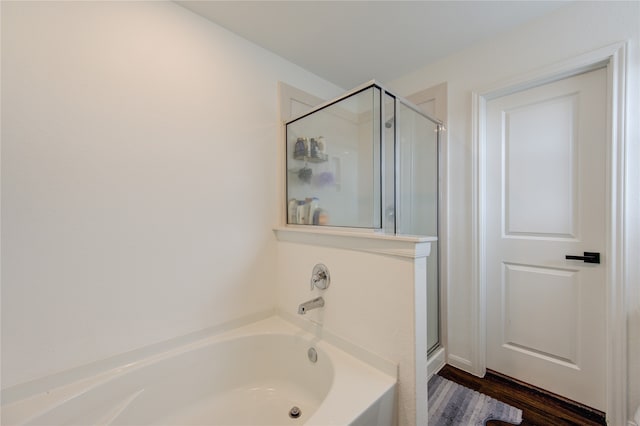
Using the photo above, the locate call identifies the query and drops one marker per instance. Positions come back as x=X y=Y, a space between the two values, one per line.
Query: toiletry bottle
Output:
x=300 y=218
x=322 y=147
x=307 y=148
x=313 y=206
x=292 y=211
x=313 y=148
x=307 y=208
x=299 y=149
x=323 y=217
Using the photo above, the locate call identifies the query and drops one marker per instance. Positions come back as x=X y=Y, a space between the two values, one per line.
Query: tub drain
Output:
x=295 y=412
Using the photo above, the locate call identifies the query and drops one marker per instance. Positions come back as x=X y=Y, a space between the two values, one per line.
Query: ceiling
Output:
x=351 y=42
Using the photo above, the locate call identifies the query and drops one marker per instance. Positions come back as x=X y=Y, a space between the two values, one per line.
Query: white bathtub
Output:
x=252 y=375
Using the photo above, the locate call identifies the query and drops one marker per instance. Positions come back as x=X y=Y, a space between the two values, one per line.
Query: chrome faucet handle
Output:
x=320 y=277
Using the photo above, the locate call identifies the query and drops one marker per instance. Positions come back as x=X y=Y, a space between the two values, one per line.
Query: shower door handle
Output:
x=589 y=257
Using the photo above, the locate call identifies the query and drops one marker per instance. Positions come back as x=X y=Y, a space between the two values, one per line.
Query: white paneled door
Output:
x=546 y=199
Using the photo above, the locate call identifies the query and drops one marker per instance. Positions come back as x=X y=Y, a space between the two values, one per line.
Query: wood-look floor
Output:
x=539 y=408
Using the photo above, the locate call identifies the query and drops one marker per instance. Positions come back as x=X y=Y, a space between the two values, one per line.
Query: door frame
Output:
x=614 y=58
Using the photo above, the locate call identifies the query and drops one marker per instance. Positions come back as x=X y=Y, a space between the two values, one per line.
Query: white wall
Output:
x=139 y=179
x=370 y=303
x=568 y=32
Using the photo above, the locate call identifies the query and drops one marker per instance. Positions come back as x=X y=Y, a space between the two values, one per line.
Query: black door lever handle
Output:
x=589 y=257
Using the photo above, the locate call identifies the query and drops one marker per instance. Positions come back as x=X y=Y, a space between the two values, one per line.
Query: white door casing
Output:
x=614 y=57
x=545 y=198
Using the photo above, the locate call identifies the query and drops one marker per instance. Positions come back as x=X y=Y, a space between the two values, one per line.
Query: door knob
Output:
x=589 y=257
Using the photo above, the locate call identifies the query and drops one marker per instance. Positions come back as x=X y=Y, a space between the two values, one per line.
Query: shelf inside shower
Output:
x=321 y=158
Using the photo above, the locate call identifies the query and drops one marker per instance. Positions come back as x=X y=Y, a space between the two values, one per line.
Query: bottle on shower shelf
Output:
x=307 y=148
x=313 y=206
x=307 y=210
x=320 y=217
x=300 y=148
x=313 y=147
x=292 y=211
x=300 y=211
x=322 y=146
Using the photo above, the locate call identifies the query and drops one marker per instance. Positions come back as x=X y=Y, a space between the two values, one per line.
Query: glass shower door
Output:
x=418 y=198
x=333 y=164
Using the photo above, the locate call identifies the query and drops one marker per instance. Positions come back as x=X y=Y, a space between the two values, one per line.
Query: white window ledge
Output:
x=370 y=242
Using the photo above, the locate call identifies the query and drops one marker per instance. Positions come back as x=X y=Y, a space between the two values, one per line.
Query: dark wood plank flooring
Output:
x=539 y=407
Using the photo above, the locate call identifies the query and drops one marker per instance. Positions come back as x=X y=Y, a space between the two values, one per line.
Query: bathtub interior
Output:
x=253 y=380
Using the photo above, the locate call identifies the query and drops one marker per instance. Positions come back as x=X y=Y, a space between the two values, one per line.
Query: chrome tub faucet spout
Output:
x=318 y=302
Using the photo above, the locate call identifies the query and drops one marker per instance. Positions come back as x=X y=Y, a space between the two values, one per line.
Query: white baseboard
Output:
x=435 y=362
x=461 y=363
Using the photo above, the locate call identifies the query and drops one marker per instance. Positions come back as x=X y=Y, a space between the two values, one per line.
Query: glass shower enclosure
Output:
x=368 y=160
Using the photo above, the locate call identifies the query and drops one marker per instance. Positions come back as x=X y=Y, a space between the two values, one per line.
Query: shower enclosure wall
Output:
x=368 y=161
